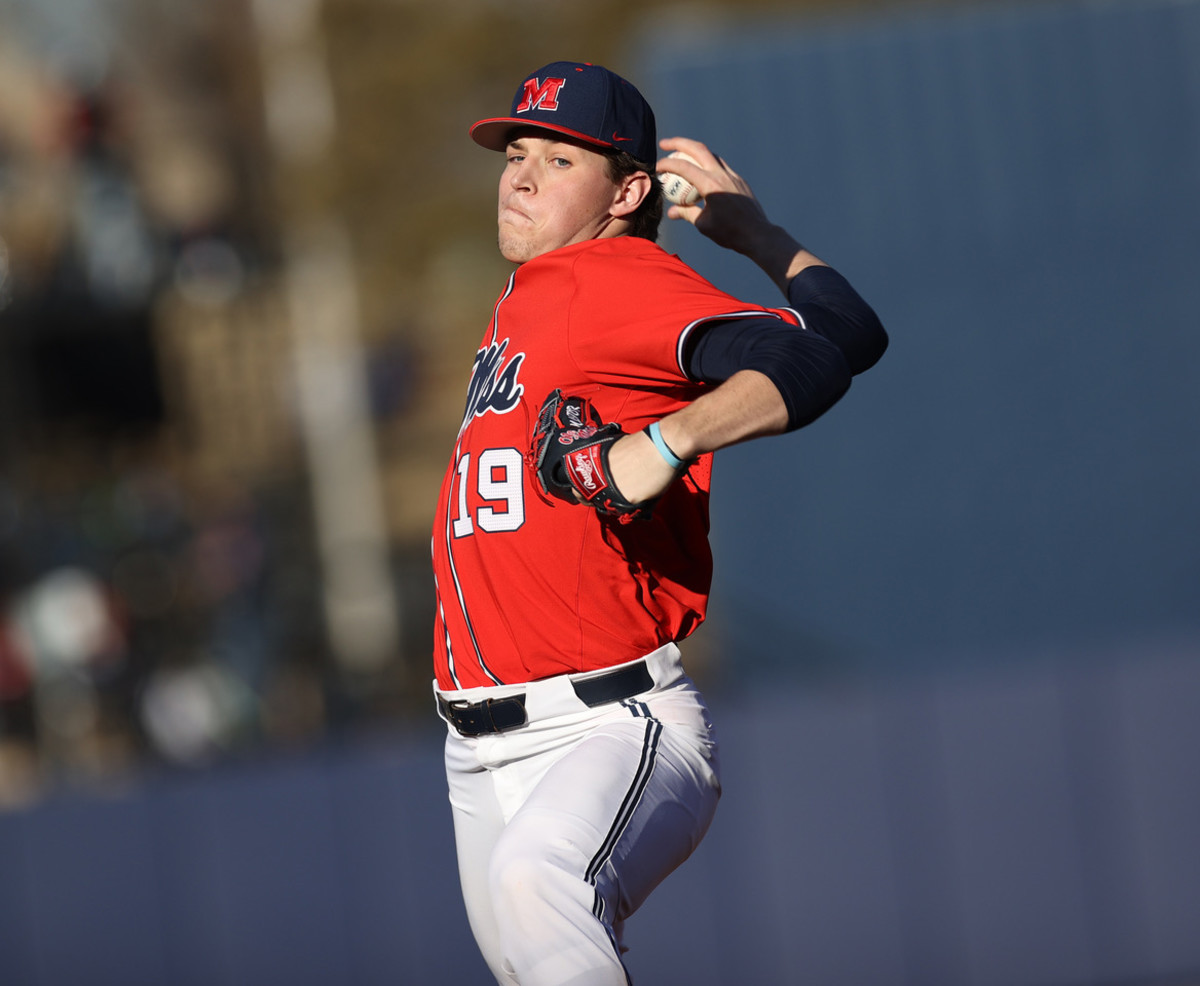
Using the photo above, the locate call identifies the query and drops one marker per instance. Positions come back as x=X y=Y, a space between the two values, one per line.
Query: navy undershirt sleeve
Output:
x=808 y=370
x=812 y=366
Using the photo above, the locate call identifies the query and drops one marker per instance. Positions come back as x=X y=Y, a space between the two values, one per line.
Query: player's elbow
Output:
x=870 y=343
x=812 y=375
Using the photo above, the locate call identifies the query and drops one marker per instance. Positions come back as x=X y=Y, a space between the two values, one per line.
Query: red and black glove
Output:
x=569 y=454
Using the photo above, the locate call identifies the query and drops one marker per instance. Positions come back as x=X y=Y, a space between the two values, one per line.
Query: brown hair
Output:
x=646 y=219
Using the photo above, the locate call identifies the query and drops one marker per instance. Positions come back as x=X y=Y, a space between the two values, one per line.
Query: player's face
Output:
x=554 y=193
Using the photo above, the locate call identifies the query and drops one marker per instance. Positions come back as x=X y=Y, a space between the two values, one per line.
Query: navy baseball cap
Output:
x=581 y=100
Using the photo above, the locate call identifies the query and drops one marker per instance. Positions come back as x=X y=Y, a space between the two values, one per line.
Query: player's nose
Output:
x=520 y=175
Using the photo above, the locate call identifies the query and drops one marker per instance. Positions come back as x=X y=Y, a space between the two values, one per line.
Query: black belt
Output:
x=496 y=715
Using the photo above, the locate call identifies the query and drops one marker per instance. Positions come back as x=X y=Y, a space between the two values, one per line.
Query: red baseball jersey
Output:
x=530 y=586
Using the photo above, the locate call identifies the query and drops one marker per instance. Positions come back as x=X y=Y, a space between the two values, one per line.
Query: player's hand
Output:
x=731 y=216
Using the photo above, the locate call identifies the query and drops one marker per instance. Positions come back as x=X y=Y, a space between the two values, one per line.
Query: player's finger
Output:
x=712 y=175
x=689 y=213
x=697 y=149
x=693 y=170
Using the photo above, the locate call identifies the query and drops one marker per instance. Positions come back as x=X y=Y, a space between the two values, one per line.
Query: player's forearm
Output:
x=777 y=252
x=745 y=406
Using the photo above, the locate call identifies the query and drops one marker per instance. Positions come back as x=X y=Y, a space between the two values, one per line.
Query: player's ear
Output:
x=629 y=193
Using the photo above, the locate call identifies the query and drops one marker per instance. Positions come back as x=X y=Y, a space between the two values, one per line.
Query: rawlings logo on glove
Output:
x=569 y=455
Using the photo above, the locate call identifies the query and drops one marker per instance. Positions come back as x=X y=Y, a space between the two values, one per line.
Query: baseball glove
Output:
x=569 y=455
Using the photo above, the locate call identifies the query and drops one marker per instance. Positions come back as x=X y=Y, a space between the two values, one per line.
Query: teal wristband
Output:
x=663 y=449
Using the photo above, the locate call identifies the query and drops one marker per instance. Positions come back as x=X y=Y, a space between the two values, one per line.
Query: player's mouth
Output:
x=511 y=215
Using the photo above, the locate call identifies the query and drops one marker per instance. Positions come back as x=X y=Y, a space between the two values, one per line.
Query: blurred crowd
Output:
x=135 y=623
x=159 y=595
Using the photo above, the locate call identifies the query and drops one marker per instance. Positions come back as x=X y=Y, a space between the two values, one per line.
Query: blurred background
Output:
x=246 y=254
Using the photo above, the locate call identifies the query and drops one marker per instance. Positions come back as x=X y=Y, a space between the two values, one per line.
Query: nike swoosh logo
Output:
x=615 y=137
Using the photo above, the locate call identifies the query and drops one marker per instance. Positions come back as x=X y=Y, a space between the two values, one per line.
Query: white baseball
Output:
x=677 y=189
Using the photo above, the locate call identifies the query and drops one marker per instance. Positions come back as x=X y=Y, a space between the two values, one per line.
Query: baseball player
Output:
x=570 y=547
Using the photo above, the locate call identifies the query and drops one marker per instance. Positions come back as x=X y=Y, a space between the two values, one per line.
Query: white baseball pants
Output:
x=566 y=824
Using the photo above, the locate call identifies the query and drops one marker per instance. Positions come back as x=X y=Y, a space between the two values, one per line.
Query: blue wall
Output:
x=331 y=868
x=1027 y=826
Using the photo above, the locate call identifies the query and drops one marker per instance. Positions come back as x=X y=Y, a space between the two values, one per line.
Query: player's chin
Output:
x=515 y=248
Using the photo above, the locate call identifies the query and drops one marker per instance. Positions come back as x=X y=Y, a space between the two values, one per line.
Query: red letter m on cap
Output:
x=543 y=96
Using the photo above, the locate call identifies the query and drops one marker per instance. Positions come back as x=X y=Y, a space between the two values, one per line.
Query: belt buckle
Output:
x=463 y=715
